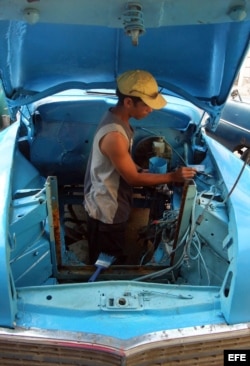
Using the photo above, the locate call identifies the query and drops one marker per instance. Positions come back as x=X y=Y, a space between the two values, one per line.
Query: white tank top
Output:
x=107 y=196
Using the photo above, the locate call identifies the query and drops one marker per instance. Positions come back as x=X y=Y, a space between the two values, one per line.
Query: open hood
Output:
x=193 y=49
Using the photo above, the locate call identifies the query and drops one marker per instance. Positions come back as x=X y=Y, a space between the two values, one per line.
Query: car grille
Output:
x=187 y=351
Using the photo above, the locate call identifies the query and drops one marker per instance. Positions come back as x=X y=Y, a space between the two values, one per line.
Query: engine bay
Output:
x=176 y=233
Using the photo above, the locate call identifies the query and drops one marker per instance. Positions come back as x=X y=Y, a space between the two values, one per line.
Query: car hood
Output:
x=193 y=50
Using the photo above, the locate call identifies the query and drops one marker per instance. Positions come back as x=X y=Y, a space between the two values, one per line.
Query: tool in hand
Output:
x=103 y=262
x=205 y=174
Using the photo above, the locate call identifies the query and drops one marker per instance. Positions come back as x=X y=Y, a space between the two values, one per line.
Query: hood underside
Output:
x=192 y=49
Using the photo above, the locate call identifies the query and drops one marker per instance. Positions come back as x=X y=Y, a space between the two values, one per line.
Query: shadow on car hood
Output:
x=192 y=50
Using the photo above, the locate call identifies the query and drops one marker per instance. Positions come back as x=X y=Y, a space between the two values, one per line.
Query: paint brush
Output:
x=103 y=262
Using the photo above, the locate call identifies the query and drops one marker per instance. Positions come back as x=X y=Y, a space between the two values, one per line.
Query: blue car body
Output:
x=59 y=65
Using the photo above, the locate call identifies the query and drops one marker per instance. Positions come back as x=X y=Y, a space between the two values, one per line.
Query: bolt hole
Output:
x=122 y=301
x=49 y=297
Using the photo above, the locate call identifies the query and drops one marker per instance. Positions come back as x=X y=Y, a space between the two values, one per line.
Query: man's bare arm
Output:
x=115 y=146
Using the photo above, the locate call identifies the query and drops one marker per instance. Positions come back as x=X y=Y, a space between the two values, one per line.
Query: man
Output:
x=111 y=172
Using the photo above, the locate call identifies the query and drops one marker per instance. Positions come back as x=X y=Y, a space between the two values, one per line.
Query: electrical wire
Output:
x=246 y=162
x=168 y=269
x=161 y=272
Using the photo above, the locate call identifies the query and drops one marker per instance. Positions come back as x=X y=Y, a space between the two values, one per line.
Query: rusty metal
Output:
x=54 y=221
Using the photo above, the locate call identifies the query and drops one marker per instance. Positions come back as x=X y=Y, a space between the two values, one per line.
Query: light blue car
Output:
x=185 y=294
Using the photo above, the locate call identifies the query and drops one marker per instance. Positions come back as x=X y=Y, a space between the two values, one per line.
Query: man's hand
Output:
x=183 y=173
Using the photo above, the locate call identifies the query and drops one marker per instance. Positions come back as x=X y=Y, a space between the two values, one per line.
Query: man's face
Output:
x=138 y=109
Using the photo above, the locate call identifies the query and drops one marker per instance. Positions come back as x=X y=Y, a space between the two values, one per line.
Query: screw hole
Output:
x=122 y=301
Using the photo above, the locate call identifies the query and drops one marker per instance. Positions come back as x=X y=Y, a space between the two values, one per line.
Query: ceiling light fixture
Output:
x=133 y=22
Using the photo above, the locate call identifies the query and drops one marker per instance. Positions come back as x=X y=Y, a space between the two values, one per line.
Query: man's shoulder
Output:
x=111 y=122
x=110 y=128
x=110 y=118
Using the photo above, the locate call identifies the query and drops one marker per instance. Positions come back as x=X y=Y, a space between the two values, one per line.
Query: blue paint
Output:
x=195 y=56
x=85 y=308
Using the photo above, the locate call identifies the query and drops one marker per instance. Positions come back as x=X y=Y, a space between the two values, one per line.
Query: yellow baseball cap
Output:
x=139 y=83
